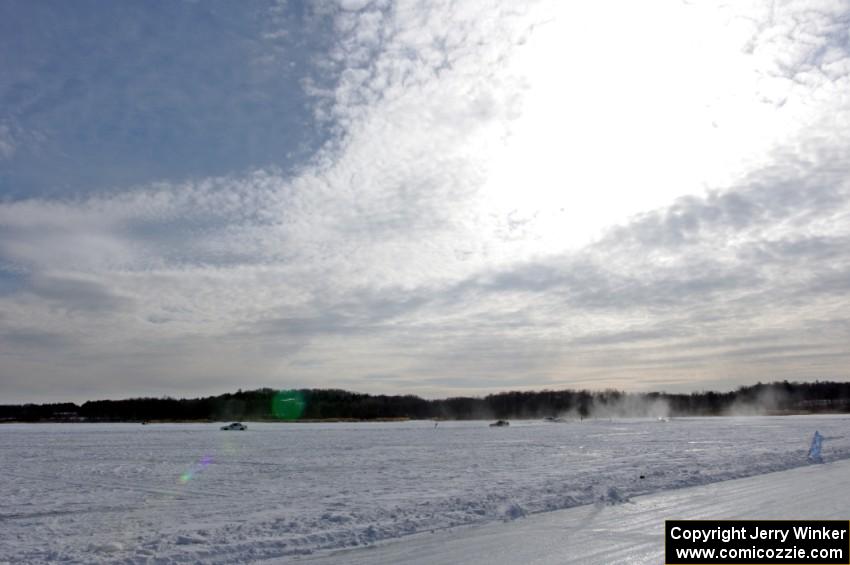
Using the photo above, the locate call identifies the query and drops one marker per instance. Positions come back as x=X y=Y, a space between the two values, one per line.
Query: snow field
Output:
x=172 y=493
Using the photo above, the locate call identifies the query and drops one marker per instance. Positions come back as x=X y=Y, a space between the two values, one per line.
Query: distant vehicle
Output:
x=500 y=424
x=235 y=426
x=553 y=419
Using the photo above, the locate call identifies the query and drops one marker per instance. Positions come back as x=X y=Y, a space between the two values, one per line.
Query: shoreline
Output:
x=772 y=413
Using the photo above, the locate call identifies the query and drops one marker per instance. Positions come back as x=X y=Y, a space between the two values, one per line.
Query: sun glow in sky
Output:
x=435 y=198
x=623 y=109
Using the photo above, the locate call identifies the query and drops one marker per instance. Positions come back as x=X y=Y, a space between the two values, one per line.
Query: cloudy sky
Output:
x=438 y=198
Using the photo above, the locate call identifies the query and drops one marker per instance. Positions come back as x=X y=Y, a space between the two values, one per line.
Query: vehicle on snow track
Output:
x=235 y=426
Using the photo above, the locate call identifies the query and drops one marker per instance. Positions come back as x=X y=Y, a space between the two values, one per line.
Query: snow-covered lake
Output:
x=177 y=493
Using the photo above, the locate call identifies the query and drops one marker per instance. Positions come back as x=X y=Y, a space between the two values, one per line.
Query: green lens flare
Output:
x=288 y=404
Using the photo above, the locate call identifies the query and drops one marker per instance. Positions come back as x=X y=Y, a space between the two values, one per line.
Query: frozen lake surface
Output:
x=124 y=493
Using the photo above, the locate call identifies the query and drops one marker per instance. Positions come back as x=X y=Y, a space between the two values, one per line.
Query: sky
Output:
x=437 y=198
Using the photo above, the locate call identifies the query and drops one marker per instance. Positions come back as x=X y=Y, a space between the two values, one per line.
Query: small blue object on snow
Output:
x=814 y=450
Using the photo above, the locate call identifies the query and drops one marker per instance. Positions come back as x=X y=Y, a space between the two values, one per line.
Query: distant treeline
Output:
x=315 y=404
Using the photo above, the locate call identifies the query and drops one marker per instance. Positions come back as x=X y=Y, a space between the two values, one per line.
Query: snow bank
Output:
x=625 y=533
